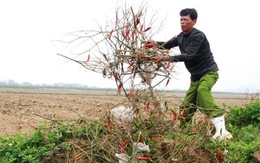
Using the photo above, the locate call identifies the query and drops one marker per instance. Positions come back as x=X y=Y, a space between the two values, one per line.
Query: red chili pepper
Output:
x=174 y=116
x=148 y=106
x=127 y=33
x=168 y=65
x=110 y=34
x=133 y=33
x=142 y=57
x=156 y=138
x=119 y=87
x=124 y=145
x=220 y=155
x=141 y=28
x=167 y=81
x=153 y=138
x=159 y=60
x=87 y=59
x=142 y=139
x=131 y=93
x=108 y=119
x=137 y=21
x=121 y=150
x=77 y=156
x=126 y=30
x=131 y=64
x=147 y=29
x=183 y=112
x=143 y=158
x=81 y=121
x=108 y=126
x=116 y=76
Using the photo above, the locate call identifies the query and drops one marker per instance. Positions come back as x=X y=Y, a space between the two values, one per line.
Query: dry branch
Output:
x=122 y=51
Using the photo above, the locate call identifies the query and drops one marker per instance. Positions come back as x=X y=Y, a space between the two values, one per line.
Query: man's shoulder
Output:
x=181 y=34
x=197 y=34
x=196 y=31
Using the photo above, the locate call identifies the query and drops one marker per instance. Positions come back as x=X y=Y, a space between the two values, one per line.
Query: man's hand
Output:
x=150 y=44
x=161 y=59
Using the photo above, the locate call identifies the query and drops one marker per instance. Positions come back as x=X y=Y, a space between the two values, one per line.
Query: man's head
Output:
x=188 y=19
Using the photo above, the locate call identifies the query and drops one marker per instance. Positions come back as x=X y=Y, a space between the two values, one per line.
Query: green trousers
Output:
x=199 y=97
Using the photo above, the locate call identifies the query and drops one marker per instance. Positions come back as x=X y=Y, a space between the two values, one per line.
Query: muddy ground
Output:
x=23 y=109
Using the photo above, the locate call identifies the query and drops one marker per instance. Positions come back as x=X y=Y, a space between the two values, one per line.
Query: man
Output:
x=199 y=61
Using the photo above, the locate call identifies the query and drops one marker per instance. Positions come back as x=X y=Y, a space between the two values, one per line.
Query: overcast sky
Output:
x=27 y=53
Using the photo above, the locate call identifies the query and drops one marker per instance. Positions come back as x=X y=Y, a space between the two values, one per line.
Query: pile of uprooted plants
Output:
x=127 y=135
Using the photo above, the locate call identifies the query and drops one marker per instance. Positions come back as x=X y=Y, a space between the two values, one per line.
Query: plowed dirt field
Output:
x=23 y=109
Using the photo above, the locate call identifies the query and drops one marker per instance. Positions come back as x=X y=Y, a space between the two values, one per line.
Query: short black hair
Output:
x=189 y=11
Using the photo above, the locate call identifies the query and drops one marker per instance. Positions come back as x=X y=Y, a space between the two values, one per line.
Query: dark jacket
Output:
x=195 y=53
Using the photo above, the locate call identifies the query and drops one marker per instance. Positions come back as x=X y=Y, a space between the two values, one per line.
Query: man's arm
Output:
x=176 y=58
x=169 y=44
